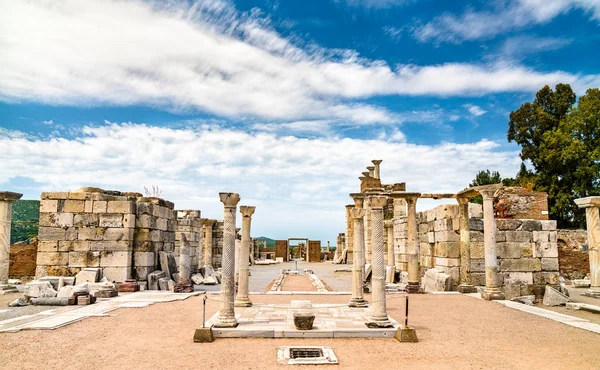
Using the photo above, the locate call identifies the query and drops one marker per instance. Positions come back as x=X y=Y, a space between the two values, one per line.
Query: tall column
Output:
x=226 y=310
x=492 y=282
x=367 y=222
x=6 y=199
x=465 y=247
x=413 y=246
x=389 y=227
x=371 y=171
x=242 y=299
x=379 y=318
x=592 y=217
x=185 y=261
x=358 y=266
x=376 y=173
x=400 y=233
x=208 y=242
x=348 y=245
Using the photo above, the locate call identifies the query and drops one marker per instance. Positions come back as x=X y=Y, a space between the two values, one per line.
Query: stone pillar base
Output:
x=413 y=288
x=377 y=324
x=466 y=288
x=407 y=334
x=492 y=294
x=184 y=288
x=204 y=335
x=5 y=289
x=226 y=324
x=242 y=302
x=358 y=303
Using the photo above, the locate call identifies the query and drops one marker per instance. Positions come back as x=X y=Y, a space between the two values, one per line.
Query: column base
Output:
x=358 y=303
x=466 y=288
x=242 y=302
x=413 y=288
x=183 y=288
x=375 y=323
x=6 y=289
x=492 y=294
x=226 y=324
x=593 y=292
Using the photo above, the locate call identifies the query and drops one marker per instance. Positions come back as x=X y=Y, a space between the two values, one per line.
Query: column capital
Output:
x=377 y=201
x=358 y=213
x=488 y=193
x=366 y=174
x=9 y=196
x=349 y=206
x=208 y=223
x=247 y=211
x=359 y=199
x=388 y=223
x=230 y=200
x=376 y=161
x=588 y=202
x=462 y=200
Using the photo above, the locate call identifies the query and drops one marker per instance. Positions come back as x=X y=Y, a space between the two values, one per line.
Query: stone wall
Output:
x=519 y=203
x=217 y=244
x=121 y=233
x=527 y=249
x=573 y=255
x=189 y=224
x=22 y=261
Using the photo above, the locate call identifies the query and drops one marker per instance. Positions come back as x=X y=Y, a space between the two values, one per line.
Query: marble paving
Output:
x=277 y=321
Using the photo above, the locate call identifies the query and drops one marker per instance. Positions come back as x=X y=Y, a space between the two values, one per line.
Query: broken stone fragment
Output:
x=170 y=285
x=197 y=279
x=163 y=283
x=553 y=297
x=581 y=283
x=88 y=275
x=210 y=280
x=304 y=321
x=39 y=289
x=50 y=301
x=66 y=291
x=19 y=302
x=81 y=289
x=153 y=279
x=526 y=299
x=435 y=281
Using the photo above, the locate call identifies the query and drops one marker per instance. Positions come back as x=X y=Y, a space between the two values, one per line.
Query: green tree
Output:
x=484 y=178
x=561 y=141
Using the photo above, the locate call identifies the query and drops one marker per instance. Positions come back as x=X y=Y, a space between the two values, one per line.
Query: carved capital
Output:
x=247 y=211
x=230 y=200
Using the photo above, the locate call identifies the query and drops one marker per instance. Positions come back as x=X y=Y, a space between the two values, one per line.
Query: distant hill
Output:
x=270 y=242
x=25 y=220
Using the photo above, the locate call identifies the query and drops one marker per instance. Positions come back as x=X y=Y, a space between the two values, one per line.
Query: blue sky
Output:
x=284 y=102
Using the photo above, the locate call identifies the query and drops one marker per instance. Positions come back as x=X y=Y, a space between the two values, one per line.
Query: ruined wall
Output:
x=217 y=246
x=518 y=203
x=314 y=251
x=189 y=223
x=22 y=260
x=281 y=249
x=573 y=255
x=121 y=233
x=527 y=249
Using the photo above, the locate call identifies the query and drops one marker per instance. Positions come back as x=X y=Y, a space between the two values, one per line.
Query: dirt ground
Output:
x=298 y=283
x=455 y=332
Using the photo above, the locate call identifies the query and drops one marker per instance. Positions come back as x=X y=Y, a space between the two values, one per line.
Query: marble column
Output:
x=208 y=242
x=371 y=170
x=242 y=299
x=226 y=309
x=6 y=199
x=465 y=247
x=379 y=318
x=376 y=163
x=592 y=217
x=184 y=284
x=348 y=245
x=413 y=249
x=492 y=282
x=389 y=228
x=358 y=265
x=367 y=232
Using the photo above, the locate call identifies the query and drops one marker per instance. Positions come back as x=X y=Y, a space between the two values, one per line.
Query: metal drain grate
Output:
x=296 y=353
x=305 y=355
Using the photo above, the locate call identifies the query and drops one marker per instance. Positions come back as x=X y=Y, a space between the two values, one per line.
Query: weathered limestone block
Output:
x=121 y=207
x=74 y=206
x=475 y=210
x=518 y=278
x=39 y=289
x=49 y=301
x=118 y=274
x=52 y=259
x=88 y=275
x=478 y=265
x=141 y=272
x=153 y=279
x=508 y=224
x=84 y=259
x=447 y=262
x=531 y=225
x=518 y=236
x=476 y=224
x=129 y=221
x=447 y=249
x=90 y=233
x=521 y=264
x=476 y=236
x=550 y=264
x=145 y=221
x=115 y=259
x=435 y=281
x=544 y=278
x=546 y=250
x=144 y=259
x=61 y=220
x=118 y=234
x=111 y=220
x=515 y=250
x=51 y=233
x=477 y=250
x=548 y=225
x=541 y=236
x=110 y=245
x=48 y=206
x=553 y=297
x=447 y=236
x=47 y=246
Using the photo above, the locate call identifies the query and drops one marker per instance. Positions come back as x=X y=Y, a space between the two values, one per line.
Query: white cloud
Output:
x=299 y=185
x=210 y=57
x=49 y=122
x=518 y=46
x=507 y=16
x=375 y=4
x=475 y=110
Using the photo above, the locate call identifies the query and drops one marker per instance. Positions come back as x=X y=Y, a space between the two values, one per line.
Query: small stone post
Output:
x=465 y=246
x=226 y=308
x=592 y=217
x=389 y=227
x=358 y=265
x=6 y=199
x=376 y=173
x=413 y=251
x=379 y=318
x=208 y=242
x=242 y=299
x=492 y=284
x=185 y=261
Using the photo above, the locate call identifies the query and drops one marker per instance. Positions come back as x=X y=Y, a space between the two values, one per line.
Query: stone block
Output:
x=122 y=245
x=508 y=224
x=89 y=206
x=47 y=246
x=548 y=225
x=144 y=246
x=518 y=236
x=518 y=278
x=145 y=221
x=549 y=264
x=88 y=275
x=86 y=220
x=76 y=196
x=84 y=259
x=545 y=250
x=541 y=236
x=55 y=195
x=52 y=259
x=443 y=224
x=447 y=249
x=514 y=250
x=141 y=272
x=51 y=233
x=553 y=297
x=118 y=274
x=153 y=279
x=447 y=262
x=144 y=259
x=71 y=233
x=48 y=206
x=39 y=289
x=477 y=249
x=115 y=259
x=100 y=206
x=478 y=265
x=121 y=207
x=511 y=291
x=167 y=263
x=447 y=236
x=118 y=234
x=521 y=264
x=61 y=220
x=476 y=236
x=111 y=220
x=161 y=224
x=435 y=281
x=545 y=278
x=531 y=225
x=476 y=224
x=129 y=220
x=475 y=210
x=90 y=233
x=74 y=206
x=73 y=246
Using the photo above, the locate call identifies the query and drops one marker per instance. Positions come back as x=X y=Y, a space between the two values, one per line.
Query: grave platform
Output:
x=277 y=321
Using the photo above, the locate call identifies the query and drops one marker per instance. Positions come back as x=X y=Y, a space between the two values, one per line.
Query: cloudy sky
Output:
x=284 y=102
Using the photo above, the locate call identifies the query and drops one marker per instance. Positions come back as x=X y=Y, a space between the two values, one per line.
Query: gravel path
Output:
x=455 y=332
